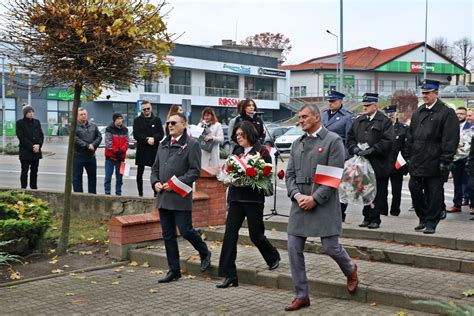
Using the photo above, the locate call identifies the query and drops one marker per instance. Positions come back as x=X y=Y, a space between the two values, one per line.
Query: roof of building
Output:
x=366 y=58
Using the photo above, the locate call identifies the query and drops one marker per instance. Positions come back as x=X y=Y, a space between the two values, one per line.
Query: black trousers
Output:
x=427 y=194
x=396 y=181
x=372 y=212
x=80 y=163
x=169 y=219
x=140 y=170
x=32 y=167
x=235 y=217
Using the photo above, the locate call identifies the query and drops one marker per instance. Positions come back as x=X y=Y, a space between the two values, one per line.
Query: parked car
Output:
x=285 y=141
x=456 y=92
x=274 y=133
x=132 y=143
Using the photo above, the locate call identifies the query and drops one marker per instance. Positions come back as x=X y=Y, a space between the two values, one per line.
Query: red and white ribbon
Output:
x=239 y=162
x=179 y=187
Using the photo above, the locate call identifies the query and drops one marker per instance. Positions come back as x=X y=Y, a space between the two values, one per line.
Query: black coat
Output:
x=142 y=128
x=398 y=145
x=378 y=133
x=29 y=133
x=85 y=135
x=433 y=138
x=256 y=121
x=248 y=194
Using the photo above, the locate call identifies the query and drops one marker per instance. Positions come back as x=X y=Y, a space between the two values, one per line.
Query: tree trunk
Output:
x=64 y=238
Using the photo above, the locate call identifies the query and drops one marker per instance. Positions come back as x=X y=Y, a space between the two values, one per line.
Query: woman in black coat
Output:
x=245 y=202
x=148 y=132
x=247 y=113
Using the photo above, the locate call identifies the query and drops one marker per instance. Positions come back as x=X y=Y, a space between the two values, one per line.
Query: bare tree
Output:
x=85 y=45
x=441 y=44
x=463 y=51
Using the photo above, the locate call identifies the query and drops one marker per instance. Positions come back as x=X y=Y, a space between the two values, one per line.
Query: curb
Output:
x=45 y=277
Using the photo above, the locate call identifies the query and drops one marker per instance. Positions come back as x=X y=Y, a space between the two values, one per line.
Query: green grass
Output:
x=82 y=230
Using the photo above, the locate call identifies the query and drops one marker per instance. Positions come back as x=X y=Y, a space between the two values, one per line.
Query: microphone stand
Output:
x=273 y=211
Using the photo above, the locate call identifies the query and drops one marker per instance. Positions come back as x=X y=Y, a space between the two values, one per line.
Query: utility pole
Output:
x=426 y=38
x=4 y=130
x=341 y=51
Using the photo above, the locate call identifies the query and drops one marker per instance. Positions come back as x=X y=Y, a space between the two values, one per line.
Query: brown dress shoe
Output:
x=352 y=281
x=297 y=304
x=472 y=211
x=465 y=202
x=454 y=209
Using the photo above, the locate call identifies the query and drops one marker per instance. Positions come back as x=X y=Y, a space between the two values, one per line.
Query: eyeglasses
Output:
x=172 y=123
x=146 y=109
x=240 y=134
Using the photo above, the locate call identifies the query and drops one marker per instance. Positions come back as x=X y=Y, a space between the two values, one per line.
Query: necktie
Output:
x=173 y=141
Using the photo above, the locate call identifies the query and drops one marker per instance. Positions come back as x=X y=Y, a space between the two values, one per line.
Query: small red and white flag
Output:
x=400 y=161
x=179 y=187
x=327 y=175
x=124 y=168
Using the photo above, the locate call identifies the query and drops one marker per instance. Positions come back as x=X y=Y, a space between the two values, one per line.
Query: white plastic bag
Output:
x=358 y=182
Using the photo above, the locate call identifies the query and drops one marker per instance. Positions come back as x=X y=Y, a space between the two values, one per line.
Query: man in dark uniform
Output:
x=371 y=136
x=339 y=120
x=432 y=141
x=396 y=175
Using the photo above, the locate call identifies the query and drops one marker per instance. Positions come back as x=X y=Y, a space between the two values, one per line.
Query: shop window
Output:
x=180 y=81
x=59 y=114
x=219 y=85
x=128 y=110
x=10 y=117
x=259 y=88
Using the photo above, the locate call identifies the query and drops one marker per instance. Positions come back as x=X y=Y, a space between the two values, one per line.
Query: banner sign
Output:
x=418 y=67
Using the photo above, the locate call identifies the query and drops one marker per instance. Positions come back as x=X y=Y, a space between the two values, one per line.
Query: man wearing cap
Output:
x=432 y=141
x=339 y=120
x=371 y=136
x=396 y=175
x=116 y=145
x=30 y=135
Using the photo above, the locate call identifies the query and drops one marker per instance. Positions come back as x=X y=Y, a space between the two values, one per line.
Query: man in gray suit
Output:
x=177 y=165
x=315 y=209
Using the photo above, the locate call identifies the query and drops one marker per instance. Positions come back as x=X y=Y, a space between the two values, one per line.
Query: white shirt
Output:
x=247 y=150
x=461 y=126
x=315 y=134
x=177 y=138
x=429 y=107
x=371 y=117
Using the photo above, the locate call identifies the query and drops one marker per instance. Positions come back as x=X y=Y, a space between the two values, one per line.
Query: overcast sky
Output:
x=377 y=23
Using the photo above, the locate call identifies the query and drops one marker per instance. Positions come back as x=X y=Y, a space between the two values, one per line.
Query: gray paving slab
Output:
x=138 y=293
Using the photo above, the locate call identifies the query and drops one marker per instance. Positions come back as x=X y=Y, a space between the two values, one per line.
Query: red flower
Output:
x=281 y=174
x=229 y=169
x=251 y=172
x=360 y=188
x=267 y=170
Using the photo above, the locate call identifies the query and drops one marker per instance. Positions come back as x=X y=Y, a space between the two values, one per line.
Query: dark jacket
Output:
x=29 y=133
x=432 y=139
x=398 y=145
x=85 y=135
x=378 y=133
x=182 y=160
x=339 y=123
x=471 y=159
x=256 y=121
x=248 y=194
x=144 y=127
x=116 y=142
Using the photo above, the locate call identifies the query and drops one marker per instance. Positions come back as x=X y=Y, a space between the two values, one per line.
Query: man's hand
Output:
x=167 y=187
x=367 y=152
x=36 y=148
x=158 y=187
x=150 y=141
x=306 y=202
x=356 y=151
x=91 y=147
x=118 y=155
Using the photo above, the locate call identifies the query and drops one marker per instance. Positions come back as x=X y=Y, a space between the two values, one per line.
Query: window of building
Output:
x=10 y=117
x=59 y=114
x=259 y=88
x=180 y=81
x=128 y=110
x=220 y=85
x=299 y=91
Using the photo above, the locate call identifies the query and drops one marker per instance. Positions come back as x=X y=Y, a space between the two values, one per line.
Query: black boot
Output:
x=228 y=282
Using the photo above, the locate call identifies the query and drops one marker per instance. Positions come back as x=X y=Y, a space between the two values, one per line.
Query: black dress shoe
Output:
x=275 y=265
x=373 y=225
x=228 y=282
x=443 y=215
x=206 y=262
x=420 y=227
x=429 y=230
x=170 y=276
x=395 y=213
x=364 y=224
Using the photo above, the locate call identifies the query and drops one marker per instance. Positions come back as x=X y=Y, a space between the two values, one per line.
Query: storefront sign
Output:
x=238 y=69
x=271 y=72
x=62 y=95
x=418 y=67
x=228 y=102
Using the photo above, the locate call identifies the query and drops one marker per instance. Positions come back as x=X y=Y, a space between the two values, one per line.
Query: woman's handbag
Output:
x=206 y=145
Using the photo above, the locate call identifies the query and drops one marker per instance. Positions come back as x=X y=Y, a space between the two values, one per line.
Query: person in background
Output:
x=432 y=141
x=177 y=165
x=396 y=175
x=245 y=202
x=230 y=130
x=247 y=113
x=148 y=132
x=30 y=135
x=470 y=117
x=87 y=141
x=175 y=108
x=116 y=145
x=338 y=119
x=214 y=134
x=371 y=136
x=460 y=172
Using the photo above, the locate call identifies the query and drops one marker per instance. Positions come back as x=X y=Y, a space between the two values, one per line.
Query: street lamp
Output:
x=337 y=64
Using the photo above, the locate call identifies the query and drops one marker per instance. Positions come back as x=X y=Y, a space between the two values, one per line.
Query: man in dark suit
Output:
x=177 y=166
x=396 y=175
x=371 y=136
x=432 y=140
x=148 y=132
x=338 y=119
x=460 y=174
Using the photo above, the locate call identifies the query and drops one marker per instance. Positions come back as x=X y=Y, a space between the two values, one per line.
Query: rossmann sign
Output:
x=228 y=102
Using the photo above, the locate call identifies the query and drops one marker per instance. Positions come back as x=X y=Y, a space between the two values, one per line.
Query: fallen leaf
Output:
x=54 y=261
x=190 y=277
x=77 y=301
x=80 y=277
x=222 y=309
x=153 y=291
x=90 y=239
x=193 y=258
x=85 y=253
x=70 y=294
x=25 y=263
x=106 y=242
x=57 y=271
x=180 y=253
x=145 y=264
x=211 y=227
x=66 y=266
x=156 y=272
x=119 y=269
x=12 y=287
x=402 y=314
x=274 y=229
x=130 y=271
x=468 y=293
x=15 y=276
x=50 y=251
x=116 y=282
x=152 y=247
x=373 y=304
x=203 y=236
x=72 y=274
x=133 y=263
